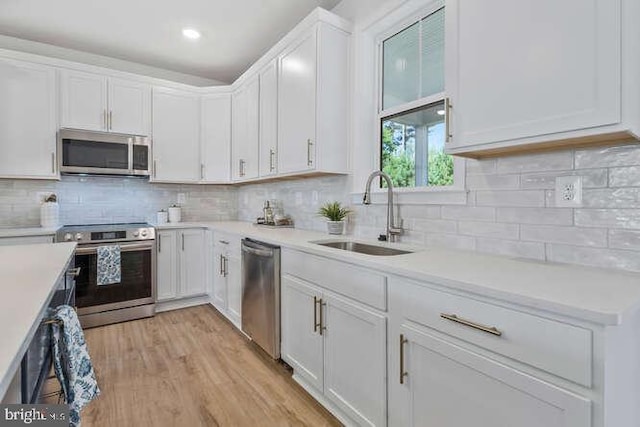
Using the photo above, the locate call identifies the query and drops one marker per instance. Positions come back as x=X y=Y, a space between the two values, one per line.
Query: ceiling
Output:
x=235 y=33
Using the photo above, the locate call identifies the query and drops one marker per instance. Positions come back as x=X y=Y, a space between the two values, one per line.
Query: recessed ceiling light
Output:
x=190 y=33
x=440 y=112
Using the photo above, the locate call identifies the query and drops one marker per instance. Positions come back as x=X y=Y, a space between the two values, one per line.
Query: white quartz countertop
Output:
x=28 y=277
x=591 y=294
x=26 y=231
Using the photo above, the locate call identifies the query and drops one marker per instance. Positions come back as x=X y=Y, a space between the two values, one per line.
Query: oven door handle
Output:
x=123 y=248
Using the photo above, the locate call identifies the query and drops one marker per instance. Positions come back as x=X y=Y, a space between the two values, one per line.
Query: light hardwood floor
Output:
x=191 y=368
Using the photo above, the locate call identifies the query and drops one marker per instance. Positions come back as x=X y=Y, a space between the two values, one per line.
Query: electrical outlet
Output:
x=182 y=198
x=568 y=191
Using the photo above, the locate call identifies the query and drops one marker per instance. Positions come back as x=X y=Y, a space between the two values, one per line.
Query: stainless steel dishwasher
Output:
x=261 y=294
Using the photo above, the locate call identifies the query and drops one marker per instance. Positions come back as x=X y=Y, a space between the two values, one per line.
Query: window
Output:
x=412 y=120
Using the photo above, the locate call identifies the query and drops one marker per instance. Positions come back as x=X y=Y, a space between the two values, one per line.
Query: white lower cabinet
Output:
x=227 y=277
x=338 y=347
x=181 y=264
x=446 y=385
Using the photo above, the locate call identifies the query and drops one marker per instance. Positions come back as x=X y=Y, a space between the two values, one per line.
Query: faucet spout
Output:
x=392 y=229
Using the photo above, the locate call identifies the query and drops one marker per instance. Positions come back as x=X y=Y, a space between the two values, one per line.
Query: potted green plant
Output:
x=335 y=215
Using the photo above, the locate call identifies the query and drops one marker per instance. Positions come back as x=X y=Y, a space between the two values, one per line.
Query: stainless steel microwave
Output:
x=101 y=153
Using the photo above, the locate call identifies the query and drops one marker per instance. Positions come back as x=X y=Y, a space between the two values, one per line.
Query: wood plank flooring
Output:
x=191 y=368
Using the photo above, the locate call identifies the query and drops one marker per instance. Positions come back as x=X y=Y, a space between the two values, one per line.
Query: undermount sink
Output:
x=363 y=248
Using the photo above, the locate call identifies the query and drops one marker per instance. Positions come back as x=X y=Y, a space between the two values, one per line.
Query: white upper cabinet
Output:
x=129 y=107
x=269 y=120
x=536 y=72
x=84 y=100
x=313 y=115
x=28 y=122
x=246 y=131
x=216 y=138
x=176 y=136
x=100 y=103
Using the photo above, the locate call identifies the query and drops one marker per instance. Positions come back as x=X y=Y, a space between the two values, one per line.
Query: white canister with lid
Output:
x=163 y=217
x=175 y=214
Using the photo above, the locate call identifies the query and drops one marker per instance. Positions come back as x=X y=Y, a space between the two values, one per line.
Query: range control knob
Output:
x=78 y=236
x=68 y=237
x=136 y=233
x=144 y=233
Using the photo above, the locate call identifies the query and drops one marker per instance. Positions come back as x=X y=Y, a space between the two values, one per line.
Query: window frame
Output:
x=380 y=114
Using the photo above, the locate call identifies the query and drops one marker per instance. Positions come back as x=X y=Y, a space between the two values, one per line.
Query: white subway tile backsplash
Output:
x=437 y=225
x=611 y=218
x=494 y=182
x=488 y=229
x=568 y=235
x=517 y=198
x=611 y=198
x=591 y=178
x=624 y=239
x=624 y=177
x=596 y=257
x=511 y=248
x=551 y=216
x=624 y=155
x=473 y=213
x=558 y=160
x=451 y=241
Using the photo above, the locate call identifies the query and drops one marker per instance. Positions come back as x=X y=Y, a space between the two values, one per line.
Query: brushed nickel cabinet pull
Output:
x=154 y=168
x=321 y=320
x=221 y=265
x=110 y=120
x=105 y=120
x=447 y=120
x=271 y=154
x=315 y=314
x=488 y=329
x=309 y=145
x=226 y=266
x=159 y=242
x=403 y=374
x=224 y=242
x=182 y=242
x=241 y=172
x=53 y=162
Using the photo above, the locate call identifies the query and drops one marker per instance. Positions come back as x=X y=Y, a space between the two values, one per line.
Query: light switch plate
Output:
x=568 y=191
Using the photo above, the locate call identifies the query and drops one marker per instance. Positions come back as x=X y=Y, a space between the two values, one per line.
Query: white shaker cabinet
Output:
x=227 y=277
x=533 y=73
x=269 y=120
x=216 y=138
x=181 y=263
x=313 y=99
x=337 y=347
x=246 y=131
x=176 y=136
x=28 y=120
x=99 y=103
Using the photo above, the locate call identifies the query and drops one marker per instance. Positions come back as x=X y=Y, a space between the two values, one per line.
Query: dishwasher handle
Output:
x=256 y=251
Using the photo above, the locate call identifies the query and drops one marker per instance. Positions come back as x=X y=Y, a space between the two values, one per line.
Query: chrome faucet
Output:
x=392 y=229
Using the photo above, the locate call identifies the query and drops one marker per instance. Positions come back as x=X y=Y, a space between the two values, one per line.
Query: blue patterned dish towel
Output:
x=72 y=364
x=109 y=269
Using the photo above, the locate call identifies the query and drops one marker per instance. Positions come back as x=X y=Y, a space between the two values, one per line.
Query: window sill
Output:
x=416 y=196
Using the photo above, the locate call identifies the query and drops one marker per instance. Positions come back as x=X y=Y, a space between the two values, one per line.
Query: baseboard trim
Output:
x=182 y=303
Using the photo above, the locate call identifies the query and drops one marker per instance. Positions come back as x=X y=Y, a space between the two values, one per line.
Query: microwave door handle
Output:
x=130 y=144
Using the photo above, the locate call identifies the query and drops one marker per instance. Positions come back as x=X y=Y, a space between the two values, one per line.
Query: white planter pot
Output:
x=335 y=227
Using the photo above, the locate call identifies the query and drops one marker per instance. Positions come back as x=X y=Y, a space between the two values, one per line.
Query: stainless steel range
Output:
x=134 y=296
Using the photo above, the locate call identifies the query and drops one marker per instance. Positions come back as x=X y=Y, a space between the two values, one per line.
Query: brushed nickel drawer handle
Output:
x=315 y=314
x=488 y=329
x=321 y=321
x=403 y=373
x=74 y=272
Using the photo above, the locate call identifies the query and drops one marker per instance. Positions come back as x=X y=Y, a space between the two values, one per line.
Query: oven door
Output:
x=137 y=286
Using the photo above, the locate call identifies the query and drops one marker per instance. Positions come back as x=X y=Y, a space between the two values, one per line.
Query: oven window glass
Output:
x=91 y=154
x=140 y=157
x=136 y=279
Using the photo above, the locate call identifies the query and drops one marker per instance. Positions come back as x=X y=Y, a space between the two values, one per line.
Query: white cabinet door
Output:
x=246 y=130
x=192 y=255
x=28 y=121
x=269 y=119
x=355 y=361
x=83 y=100
x=129 y=107
x=302 y=343
x=216 y=138
x=297 y=107
x=176 y=136
x=446 y=385
x=532 y=68
x=167 y=265
x=234 y=289
x=219 y=293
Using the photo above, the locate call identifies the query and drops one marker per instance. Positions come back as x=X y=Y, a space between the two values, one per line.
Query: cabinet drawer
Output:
x=358 y=283
x=558 y=348
x=229 y=241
